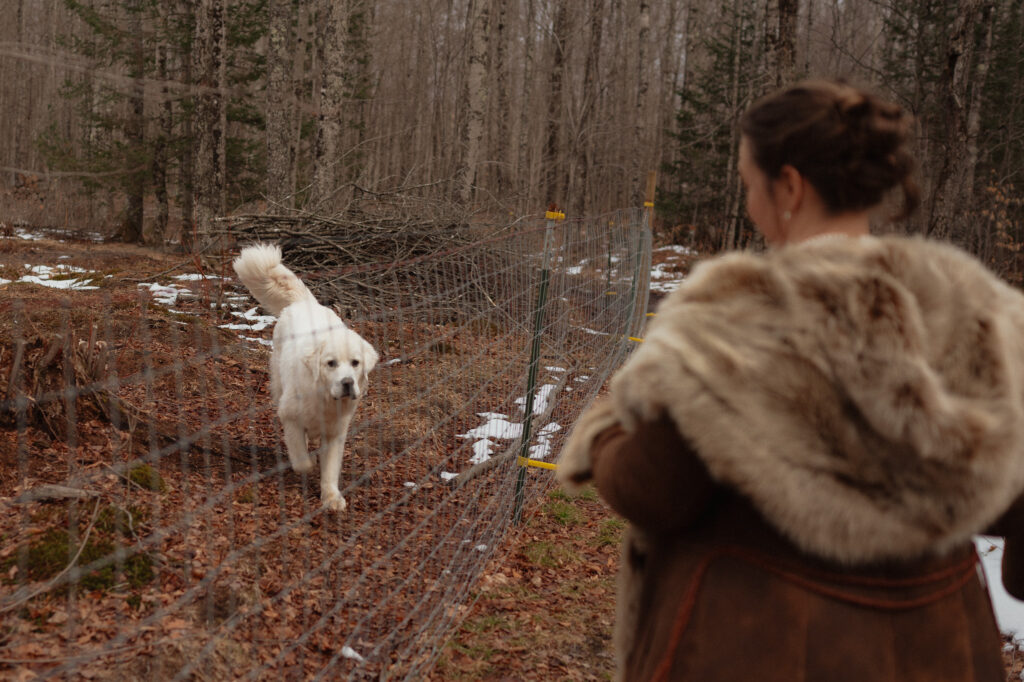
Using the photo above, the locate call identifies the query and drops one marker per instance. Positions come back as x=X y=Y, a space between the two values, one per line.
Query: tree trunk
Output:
x=731 y=233
x=502 y=109
x=187 y=166
x=476 y=98
x=158 y=232
x=553 y=153
x=640 y=115
x=786 y=45
x=523 y=168
x=135 y=131
x=325 y=190
x=211 y=115
x=584 y=151
x=279 y=107
x=953 y=190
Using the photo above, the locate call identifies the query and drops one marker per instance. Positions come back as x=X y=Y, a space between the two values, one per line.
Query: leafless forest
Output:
x=139 y=117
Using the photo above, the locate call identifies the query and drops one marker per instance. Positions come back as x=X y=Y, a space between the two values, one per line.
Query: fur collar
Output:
x=866 y=394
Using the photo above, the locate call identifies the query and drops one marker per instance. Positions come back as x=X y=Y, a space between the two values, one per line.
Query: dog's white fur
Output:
x=318 y=369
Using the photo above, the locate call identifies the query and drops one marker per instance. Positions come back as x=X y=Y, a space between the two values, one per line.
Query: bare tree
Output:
x=476 y=97
x=554 y=160
x=211 y=120
x=501 y=76
x=325 y=190
x=952 y=194
x=280 y=109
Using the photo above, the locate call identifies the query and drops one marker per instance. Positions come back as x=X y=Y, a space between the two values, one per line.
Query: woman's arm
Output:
x=651 y=477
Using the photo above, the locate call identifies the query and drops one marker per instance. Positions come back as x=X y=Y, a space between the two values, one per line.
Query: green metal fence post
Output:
x=531 y=376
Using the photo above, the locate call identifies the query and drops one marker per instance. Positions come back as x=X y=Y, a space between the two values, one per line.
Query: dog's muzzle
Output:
x=346 y=388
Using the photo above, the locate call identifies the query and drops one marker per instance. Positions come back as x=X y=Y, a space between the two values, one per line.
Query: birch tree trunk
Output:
x=211 y=118
x=642 y=86
x=325 y=193
x=280 y=107
x=476 y=98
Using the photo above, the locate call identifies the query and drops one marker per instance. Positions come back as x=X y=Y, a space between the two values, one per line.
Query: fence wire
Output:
x=151 y=524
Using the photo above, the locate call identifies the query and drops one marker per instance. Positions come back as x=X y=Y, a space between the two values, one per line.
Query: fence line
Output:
x=151 y=522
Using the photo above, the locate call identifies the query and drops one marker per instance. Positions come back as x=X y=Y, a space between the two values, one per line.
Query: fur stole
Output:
x=866 y=394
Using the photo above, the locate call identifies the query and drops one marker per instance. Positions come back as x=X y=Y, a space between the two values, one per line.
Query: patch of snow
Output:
x=678 y=248
x=543 y=447
x=1009 y=611
x=540 y=399
x=497 y=426
x=482 y=450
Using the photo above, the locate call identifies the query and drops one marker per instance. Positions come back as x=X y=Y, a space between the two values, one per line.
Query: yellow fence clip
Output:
x=526 y=462
x=554 y=215
x=633 y=338
x=648 y=204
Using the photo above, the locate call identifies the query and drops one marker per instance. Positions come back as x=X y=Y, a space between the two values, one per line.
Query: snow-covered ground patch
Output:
x=1009 y=611
x=60 y=276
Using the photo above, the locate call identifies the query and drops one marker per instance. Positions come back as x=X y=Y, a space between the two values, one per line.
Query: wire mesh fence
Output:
x=151 y=524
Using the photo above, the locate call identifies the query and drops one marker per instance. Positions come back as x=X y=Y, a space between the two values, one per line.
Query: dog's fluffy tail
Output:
x=271 y=283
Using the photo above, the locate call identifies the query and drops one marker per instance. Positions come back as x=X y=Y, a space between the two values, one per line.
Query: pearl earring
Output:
x=786 y=215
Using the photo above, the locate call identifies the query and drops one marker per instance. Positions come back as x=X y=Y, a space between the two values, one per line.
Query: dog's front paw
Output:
x=333 y=501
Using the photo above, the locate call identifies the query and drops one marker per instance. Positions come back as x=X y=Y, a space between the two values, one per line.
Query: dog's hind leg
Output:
x=295 y=443
x=330 y=467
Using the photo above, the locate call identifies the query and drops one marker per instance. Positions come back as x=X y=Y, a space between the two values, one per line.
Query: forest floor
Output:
x=543 y=608
x=546 y=602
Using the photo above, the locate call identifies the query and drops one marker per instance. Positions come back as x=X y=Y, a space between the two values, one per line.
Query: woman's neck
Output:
x=853 y=224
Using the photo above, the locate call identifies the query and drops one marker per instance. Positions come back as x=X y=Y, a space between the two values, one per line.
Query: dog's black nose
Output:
x=347 y=387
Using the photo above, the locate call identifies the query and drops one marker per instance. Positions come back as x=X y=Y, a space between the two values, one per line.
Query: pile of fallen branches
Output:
x=376 y=254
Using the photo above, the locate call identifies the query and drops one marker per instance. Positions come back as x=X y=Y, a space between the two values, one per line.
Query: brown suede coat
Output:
x=723 y=596
x=806 y=444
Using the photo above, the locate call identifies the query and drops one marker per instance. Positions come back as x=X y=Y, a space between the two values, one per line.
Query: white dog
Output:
x=318 y=368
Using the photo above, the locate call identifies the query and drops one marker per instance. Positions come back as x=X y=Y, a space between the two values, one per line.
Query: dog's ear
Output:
x=370 y=357
x=312 y=361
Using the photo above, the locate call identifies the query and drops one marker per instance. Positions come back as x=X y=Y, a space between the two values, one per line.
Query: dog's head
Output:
x=341 y=364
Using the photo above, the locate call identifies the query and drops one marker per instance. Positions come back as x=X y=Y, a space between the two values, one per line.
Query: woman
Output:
x=809 y=438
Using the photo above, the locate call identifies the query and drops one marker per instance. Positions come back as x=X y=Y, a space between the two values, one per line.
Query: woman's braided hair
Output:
x=849 y=144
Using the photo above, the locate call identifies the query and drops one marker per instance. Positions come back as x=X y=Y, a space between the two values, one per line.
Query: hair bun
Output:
x=850 y=144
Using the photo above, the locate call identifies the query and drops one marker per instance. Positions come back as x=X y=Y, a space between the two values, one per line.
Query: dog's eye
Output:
x=355 y=363
x=332 y=363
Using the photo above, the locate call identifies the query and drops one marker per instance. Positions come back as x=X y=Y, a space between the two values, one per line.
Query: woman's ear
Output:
x=789 y=189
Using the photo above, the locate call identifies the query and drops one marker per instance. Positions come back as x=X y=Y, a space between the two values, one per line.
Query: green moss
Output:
x=123 y=521
x=147 y=477
x=610 y=532
x=564 y=513
x=138 y=570
x=549 y=554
